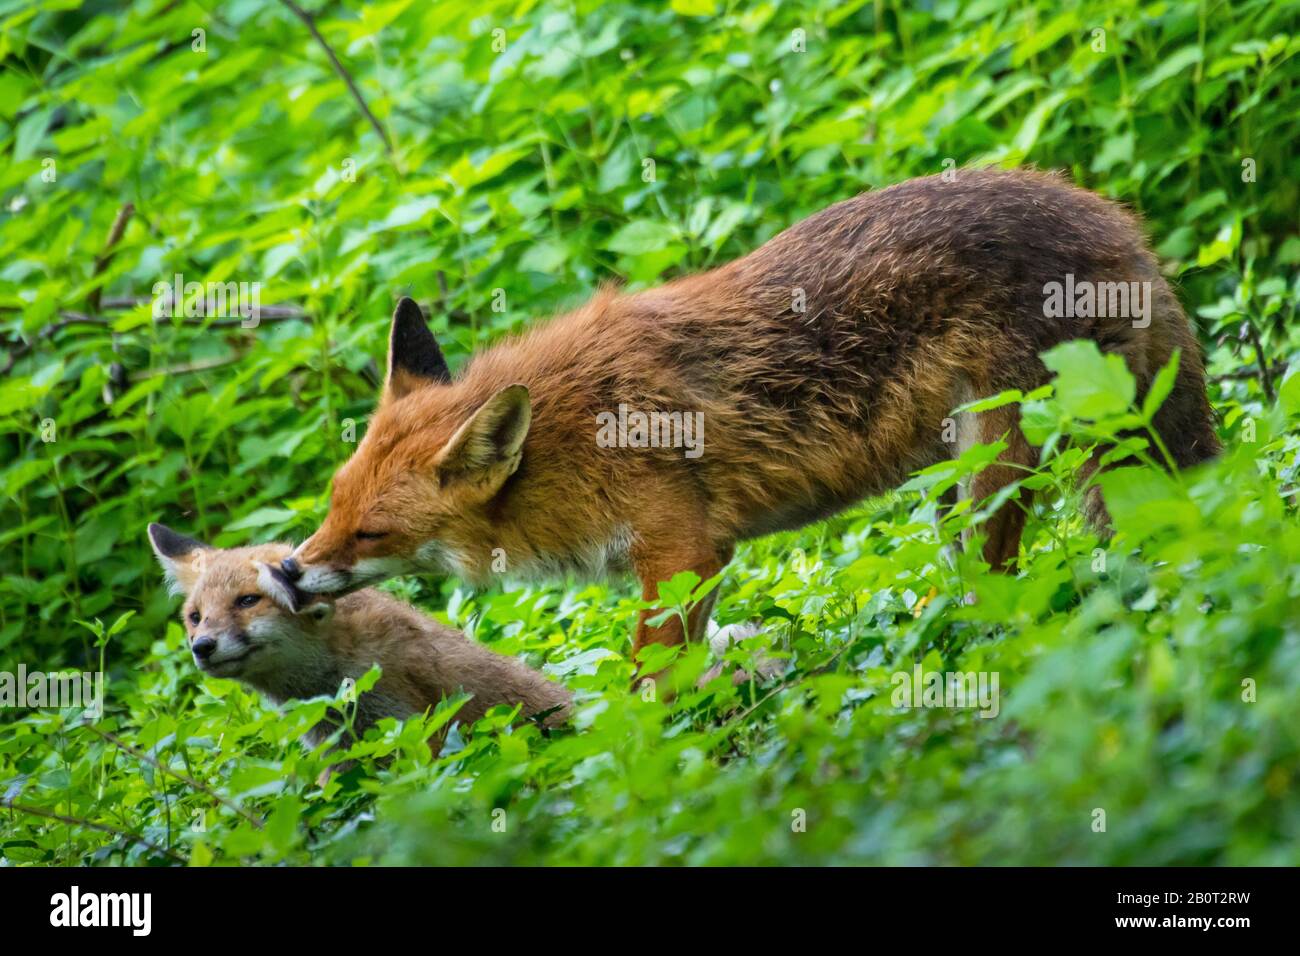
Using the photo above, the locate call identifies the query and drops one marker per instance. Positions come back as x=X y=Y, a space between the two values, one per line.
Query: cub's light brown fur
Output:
x=287 y=652
x=916 y=298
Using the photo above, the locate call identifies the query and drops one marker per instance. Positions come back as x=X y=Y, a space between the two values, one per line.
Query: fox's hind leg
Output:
x=1005 y=526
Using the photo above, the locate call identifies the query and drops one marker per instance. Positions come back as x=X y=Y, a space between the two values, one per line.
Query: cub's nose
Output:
x=203 y=647
x=291 y=568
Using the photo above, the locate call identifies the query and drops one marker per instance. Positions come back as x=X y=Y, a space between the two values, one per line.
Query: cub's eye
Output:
x=195 y=617
x=371 y=535
x=247 y=600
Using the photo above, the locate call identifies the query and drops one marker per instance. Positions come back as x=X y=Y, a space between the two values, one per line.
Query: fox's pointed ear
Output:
x=182 y=558
x=414 y=358
x=488 y=448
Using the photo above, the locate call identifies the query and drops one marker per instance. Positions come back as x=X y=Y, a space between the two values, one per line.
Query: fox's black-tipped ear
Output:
x=488 y=448
x=414 y=358
x=181 y=557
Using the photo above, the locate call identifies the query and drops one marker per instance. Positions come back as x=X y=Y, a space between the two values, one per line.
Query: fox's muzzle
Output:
x=316 y=579
x=221 y=652
x=291 y=572
x=316 y=575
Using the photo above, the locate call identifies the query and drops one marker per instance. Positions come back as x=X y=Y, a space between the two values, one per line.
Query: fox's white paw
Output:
x=723 y=638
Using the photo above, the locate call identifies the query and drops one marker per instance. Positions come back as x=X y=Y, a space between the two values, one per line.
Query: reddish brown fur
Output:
x=918 y=297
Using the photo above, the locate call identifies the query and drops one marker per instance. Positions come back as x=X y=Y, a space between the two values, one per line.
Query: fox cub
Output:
x=823 y=367
x=246 y=622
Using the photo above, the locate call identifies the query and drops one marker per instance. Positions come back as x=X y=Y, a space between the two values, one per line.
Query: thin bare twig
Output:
x=444 y=301
x=1274 y=371
x=184 y=778
x=120 y=222
x=100 y=827
x=265 y=311
x=266 y=314
x=269 y=313
x=185 y=368
x=737 y=719
x=274 y=312
x=310 y=23
x=1264 y=379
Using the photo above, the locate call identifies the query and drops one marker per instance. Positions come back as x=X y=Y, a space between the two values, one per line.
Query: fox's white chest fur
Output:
x=598 y=560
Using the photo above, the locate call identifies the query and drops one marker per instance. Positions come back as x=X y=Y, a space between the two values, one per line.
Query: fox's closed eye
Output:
x=371 y=535
x=247 y=600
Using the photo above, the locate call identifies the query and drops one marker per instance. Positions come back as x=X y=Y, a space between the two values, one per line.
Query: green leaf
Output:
x=1169 y=67
x=261 y=517
x=547 y=256
x=1090 y=385
x=1032 y=126
x=1288 y=394
x=695 y=8
x=1160 y=388
x=641 y=236
x=677 y=592
x=1142 y=501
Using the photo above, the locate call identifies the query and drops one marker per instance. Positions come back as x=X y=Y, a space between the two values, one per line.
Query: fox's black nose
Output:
x=291 y=568
x=203 y=647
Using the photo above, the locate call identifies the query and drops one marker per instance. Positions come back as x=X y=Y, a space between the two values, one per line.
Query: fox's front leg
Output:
x=659 y=561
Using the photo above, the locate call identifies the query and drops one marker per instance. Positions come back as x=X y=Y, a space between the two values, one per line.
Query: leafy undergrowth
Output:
x=1147 y=685
x=1144 y=709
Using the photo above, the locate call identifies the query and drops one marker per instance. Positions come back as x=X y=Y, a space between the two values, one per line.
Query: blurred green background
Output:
x=521 y=154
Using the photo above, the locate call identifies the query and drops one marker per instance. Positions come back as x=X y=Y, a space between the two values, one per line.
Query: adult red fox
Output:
x=245 y=622
x=815 y=371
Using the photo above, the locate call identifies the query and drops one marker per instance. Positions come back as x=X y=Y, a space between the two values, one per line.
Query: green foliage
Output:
x=1153 y=677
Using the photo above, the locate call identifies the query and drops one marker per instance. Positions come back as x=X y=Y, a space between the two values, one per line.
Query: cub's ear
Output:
x=182 y=558
x=487 y=449
x=275 y=584
x=414 y=358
